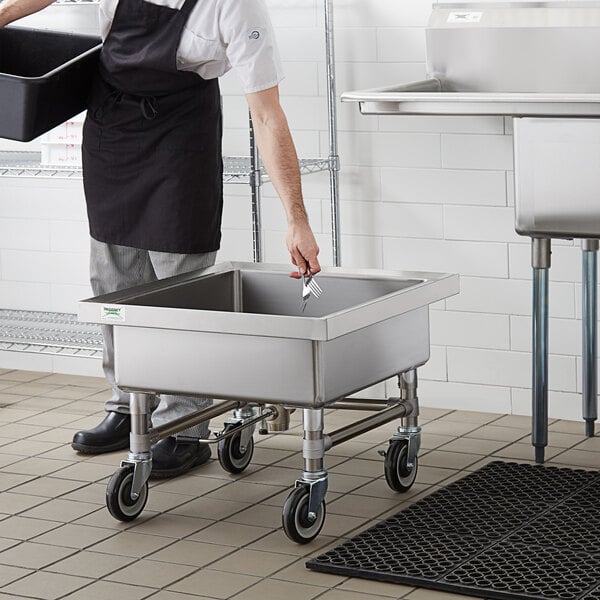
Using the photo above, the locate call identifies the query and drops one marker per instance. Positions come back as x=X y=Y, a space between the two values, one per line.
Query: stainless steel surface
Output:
x=408 y=382
x=195 y=418
x=310 y=289
x=540 y=351
x=545 y=47
x=140 y=453
x=140 y=409
x=368 y=404
x=508 y=59
x=428 y=98
x=184 y=335
x=343 y=434
x=313 y=442
x=541 y=253
x=279 y=421
x=589 y=322
x=557 y=177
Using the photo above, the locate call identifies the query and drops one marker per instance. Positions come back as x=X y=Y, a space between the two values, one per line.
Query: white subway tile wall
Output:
x=417 y=193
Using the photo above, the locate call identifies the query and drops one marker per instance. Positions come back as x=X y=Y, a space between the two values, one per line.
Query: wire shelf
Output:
x=28 y=164
x=236 y=169
x=48 y=333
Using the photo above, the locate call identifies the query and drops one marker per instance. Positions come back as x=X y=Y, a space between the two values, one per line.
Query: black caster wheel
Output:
x=296 y=524
x=397 y=473
x=118 y=495
x=231 y=456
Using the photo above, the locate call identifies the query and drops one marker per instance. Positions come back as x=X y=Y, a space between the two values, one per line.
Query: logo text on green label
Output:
x=112 y=313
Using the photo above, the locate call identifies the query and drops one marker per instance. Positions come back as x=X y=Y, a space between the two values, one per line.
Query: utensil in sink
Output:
x=315 y=288
x=309 y=288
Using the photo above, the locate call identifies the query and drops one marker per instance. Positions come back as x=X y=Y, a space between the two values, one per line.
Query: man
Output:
x=152 y=166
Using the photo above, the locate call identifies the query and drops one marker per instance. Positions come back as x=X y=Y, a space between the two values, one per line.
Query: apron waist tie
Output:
x=148 y=107
x=147 y=104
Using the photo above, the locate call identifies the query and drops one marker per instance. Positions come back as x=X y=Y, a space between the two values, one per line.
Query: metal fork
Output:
x=309 y=288
x=315 y=288
x=306 y=292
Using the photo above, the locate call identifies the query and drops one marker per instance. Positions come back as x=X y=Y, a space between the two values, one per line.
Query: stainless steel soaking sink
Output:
x=236 y=332
x=536 y=63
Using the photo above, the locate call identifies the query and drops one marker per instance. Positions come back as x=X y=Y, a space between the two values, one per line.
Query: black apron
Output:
x=152 y=161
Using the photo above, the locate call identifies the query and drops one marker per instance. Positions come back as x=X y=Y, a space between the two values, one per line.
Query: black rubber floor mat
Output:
x=505 y=531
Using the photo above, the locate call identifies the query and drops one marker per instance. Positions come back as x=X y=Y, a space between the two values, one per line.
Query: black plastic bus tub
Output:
x=45 y=78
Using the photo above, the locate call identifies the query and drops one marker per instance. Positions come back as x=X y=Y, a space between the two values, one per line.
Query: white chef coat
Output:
x=220 y=35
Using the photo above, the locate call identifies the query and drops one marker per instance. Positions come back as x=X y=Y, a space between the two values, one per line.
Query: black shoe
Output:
x=171 y=457
x=112 y=434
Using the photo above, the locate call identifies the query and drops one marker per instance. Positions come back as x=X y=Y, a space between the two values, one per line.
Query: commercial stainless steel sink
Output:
x=536 y=63
x=237 y=331
x=501 y=58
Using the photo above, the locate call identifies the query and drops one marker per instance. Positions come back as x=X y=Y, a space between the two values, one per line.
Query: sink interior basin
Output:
x=268 y=293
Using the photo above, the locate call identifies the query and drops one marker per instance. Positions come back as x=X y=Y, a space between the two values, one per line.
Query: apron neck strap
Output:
x=188 y=7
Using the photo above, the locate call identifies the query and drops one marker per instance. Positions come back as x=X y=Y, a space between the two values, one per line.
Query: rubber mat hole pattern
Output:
x=507 y=531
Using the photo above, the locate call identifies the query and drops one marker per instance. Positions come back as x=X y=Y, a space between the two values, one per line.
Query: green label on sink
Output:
x=112 y=313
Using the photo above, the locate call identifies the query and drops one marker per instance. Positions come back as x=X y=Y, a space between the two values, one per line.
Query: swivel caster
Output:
x=119 y=502
x=233 y=457
x=296 y=523
x=399 y=476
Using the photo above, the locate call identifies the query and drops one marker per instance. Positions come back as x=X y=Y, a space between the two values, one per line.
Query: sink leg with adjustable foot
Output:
x=589 y=320
x=541 y=266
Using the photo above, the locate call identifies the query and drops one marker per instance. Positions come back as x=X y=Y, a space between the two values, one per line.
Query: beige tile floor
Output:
x=210 y=534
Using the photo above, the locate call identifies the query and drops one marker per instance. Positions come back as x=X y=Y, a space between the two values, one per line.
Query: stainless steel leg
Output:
x=541 y=265
x=409 y=426
x=140 y=407
x=262 y=430
x=590 y=334
x=313 y=453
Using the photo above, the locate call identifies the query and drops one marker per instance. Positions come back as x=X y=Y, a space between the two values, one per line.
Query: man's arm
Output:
x=11 y=10
x=281 y=161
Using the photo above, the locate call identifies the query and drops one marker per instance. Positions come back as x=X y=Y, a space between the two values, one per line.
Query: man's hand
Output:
x=303 y=249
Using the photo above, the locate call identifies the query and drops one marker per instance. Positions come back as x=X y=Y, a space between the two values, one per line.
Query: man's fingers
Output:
x=303 y=249
x=313 y=265
x=299 y=261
